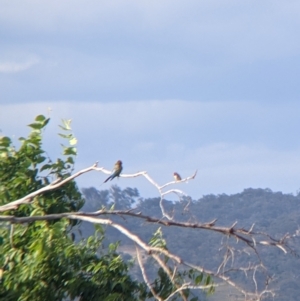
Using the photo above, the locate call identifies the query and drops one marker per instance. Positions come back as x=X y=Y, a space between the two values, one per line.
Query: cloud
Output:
x=177 y=122
x=216 y=50
x=14 y=67
x=229 y=168
x=233 y=145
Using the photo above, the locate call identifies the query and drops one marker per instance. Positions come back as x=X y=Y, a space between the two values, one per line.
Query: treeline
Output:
x=272 y=212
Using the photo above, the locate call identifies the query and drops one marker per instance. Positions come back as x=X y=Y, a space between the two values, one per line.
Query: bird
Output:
x=177 y=177
x=116 y=172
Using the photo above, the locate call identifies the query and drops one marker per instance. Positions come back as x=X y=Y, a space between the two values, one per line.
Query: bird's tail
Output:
x=107 y=179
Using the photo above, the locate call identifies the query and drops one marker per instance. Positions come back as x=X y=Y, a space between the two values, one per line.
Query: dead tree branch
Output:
x=249 y=237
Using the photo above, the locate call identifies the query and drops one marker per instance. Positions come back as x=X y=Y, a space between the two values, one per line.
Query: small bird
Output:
x=177 y=177
x=116 y=172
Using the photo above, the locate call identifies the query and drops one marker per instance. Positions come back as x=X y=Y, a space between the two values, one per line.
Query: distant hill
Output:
x=272 y=212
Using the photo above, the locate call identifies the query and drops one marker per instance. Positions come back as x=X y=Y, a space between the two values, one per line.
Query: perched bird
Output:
x=116 y=172
x=177 y=177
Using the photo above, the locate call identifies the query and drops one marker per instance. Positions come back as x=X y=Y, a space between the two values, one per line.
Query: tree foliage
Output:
x=40 y=260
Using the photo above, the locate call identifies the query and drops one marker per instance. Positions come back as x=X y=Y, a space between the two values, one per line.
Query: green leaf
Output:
x=199 y=279
x=70 y=160
x=70 y=151
x=46 y=166
x=40 y=159
x=37 y=211
x=99 y=228
x=36 y=126
x=40 y=118
x=5 y=141
x=46 y=122
x=208 y=280
x=157 y=240
x=66 y=136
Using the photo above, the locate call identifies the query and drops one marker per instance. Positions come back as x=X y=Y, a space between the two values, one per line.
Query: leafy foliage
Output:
x=40 y=261
x=21 y=173
x=44 y=260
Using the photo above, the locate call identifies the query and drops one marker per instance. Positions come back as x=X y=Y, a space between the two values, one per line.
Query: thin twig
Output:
x=145 y=275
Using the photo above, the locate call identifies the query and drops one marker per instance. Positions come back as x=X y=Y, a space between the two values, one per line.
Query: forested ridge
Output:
x=273 y=212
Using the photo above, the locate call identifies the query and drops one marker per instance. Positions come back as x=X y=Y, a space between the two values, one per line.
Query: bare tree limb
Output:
x=168 y=272
x=239 y=233
x=59 y=183
x=145 y=275
x=54 y=185
x=153 y=251
x=189 y=286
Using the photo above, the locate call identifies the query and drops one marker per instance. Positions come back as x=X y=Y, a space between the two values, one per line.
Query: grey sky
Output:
x=163 y=85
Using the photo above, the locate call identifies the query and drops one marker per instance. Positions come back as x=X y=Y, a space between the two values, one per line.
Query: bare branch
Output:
x=168 y=272
x=59 y=183
x=189 y=286
x=11 y=235
x=181 y=181
x=239 y=233
x=154 y=251
x=54 y=185
x=145 y=275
